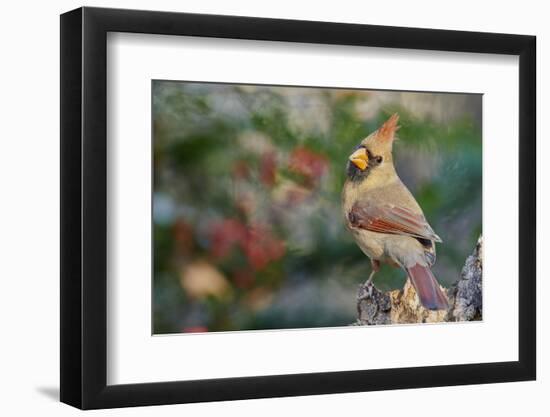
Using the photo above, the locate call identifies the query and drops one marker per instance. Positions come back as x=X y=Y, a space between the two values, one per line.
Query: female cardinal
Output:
x=385 y=219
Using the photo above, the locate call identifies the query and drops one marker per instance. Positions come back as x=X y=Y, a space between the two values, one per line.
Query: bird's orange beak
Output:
x=360 y=159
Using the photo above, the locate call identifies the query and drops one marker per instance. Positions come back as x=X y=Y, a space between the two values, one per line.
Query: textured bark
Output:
x=403 y=306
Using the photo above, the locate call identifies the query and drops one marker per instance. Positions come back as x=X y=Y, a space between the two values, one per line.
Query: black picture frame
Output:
x=84 y=207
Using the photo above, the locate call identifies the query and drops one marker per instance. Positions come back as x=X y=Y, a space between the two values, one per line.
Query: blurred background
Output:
x=248 y=229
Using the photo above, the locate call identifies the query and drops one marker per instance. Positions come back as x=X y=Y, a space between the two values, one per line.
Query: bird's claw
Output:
x=365 y=290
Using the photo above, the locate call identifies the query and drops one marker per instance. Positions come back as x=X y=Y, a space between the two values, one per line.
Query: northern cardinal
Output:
x=385 y=219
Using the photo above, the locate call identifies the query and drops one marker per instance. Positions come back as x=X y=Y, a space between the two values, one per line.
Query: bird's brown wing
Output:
x=392 y=219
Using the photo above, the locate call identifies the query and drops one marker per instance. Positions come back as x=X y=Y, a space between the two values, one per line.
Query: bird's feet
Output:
x=366 y=290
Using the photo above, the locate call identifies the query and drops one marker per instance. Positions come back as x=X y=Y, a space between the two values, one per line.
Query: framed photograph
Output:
x=258 y=208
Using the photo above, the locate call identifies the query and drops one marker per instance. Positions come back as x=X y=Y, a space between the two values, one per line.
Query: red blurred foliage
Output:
x=241 y=170
x=262 y=247
x=183 y=236
x=268 y=168
x=226 y=234
x=257 y=242
x=195 y=329
x=308 y=163
x=243 y=278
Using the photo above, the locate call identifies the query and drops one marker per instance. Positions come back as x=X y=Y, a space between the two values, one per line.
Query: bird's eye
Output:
x=378 y=159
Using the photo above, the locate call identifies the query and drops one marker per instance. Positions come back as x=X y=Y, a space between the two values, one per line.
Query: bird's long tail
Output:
x=427 y=288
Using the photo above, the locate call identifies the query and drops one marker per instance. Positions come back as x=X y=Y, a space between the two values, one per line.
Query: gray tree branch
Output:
x=402 y=306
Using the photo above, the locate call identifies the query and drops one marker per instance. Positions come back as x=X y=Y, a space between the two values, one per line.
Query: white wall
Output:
x=29 y=238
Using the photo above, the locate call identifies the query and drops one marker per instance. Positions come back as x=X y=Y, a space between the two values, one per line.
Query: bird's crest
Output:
x=380 y=142
x=388 y=129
